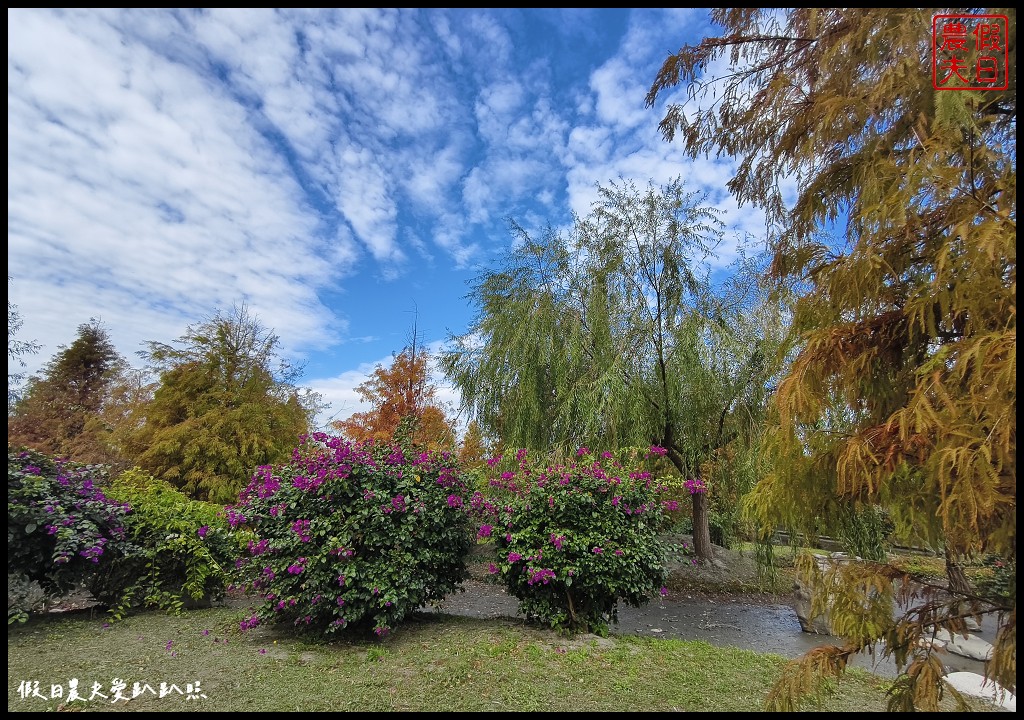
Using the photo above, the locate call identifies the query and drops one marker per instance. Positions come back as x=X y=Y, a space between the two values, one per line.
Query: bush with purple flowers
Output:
x=61 y=527
x=352 y=535
x=574 y=539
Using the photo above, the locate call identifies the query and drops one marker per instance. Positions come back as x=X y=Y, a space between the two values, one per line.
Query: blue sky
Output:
x=335 y=170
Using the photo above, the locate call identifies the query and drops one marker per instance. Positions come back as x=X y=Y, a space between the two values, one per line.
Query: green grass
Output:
x=431 y=663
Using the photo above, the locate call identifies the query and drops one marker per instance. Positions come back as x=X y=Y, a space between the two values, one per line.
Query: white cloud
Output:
x=163 y=164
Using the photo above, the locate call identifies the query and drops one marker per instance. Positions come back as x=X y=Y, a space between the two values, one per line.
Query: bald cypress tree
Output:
x=901 y=244
x=54 y=413
x=224 y=405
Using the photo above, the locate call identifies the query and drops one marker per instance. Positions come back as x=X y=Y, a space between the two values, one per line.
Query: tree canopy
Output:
x=611 y=334
x=225 y=404
x=901 y=244
x=397 y=394
x=55 y=412
x=16 y=350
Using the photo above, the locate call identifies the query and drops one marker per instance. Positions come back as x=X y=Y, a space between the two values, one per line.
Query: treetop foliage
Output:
x=902 y=392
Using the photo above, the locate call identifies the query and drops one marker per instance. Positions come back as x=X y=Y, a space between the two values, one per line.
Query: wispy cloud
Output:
x=165 y=163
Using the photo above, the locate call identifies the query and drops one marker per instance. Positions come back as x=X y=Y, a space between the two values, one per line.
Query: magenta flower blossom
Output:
x=663 y=591
x=542 y=576
x=695 y=485
x=582 y=451
x=659 y=451
x=301 y=528
x=514 y=557
x=598 y=551
x=203 y=530
x=494 y=461
x=484 y=531
x=492 y=569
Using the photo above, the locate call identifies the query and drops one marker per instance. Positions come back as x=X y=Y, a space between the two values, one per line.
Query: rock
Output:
x=976 y=685
x=972 y=624
x=970 y=646
x=967 y=645
x=802 y=603
x=802 y=599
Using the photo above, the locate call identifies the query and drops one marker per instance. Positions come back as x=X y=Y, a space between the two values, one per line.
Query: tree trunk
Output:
x=958 y=582
x=701 y=528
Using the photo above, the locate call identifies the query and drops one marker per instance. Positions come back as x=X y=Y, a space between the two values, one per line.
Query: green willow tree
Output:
x=224 y=404
x=608 y=336
x=902 y=394
x=55 y=413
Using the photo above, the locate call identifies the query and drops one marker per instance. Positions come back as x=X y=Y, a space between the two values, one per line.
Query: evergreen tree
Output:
x=57 y=406
x=902 y=393
x=223 y=406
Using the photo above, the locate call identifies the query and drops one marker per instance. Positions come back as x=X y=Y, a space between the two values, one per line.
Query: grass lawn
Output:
x=430 y=663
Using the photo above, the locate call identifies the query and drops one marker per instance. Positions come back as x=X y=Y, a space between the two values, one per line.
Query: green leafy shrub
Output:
x=353 y=536
x=61 y=527
x=185 y=549
x=999 y=584
x=575 y=539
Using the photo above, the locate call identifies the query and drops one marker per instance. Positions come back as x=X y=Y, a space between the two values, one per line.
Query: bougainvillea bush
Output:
x=61 y=527
x=353 y=536
x=575 y=539
x=185 y=549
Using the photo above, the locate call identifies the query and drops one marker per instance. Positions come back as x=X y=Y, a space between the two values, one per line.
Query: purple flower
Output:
x=582 y=451
x=656 y=450
x=485 y=531
x=663 y=591
x=598 y=551
x=514 y=557
x=203 y=530
x=492 y=569
x=695 y=485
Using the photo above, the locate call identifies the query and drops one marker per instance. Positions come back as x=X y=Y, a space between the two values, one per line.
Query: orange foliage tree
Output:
x=401 y=392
